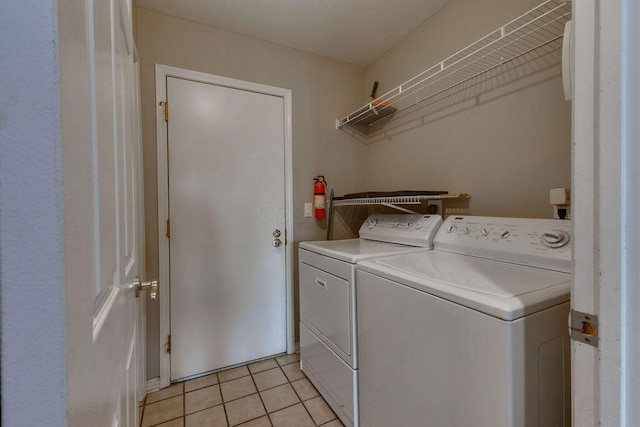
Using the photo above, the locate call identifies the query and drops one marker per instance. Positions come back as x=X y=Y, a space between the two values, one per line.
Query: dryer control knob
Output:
x=555 y=239
x=451 y=229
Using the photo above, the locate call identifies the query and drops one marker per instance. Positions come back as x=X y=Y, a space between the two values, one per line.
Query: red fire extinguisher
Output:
x=319 y=197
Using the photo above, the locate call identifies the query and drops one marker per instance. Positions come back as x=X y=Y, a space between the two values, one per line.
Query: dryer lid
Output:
x=500 y=289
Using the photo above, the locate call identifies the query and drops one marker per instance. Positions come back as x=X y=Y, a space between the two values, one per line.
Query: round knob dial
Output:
x=372 y=223
x=452 y=229
x=466 y=230
x=484 y=232
x=555 y=239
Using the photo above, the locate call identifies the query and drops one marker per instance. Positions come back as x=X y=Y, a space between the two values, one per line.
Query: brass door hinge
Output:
x=167 y=346
x=168 y=229
x=166 y=110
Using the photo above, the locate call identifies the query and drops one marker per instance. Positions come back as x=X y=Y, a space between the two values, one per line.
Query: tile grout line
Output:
x=171 y=419
x=208 y=407
x=259 y=395
x=184 y=406
x=223 y=403
x=224 y=407
x=303 y=405
x=144 y=402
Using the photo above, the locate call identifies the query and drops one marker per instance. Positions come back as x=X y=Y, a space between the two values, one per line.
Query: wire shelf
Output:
x=396 y=200
x=540 y=28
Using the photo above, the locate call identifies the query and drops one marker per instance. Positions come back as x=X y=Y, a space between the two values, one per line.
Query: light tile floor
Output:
x=272 y=392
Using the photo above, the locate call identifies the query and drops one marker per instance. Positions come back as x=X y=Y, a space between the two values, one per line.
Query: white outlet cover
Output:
x=307 y=210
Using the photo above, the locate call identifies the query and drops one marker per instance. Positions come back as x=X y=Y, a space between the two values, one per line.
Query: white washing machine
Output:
x=328 y=330
x=473 y=333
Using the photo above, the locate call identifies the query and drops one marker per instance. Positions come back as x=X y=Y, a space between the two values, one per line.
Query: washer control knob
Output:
x=372 y=223
x=466 y=230
x=451 y=229
x=484 y=232
x=418 y=225
x=505 y=234
x=555 y=239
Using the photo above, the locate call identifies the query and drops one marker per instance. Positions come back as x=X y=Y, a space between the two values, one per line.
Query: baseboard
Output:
x=153 y=384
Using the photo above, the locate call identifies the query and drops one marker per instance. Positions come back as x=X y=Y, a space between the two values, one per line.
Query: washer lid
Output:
x=500 y=289
x=355 y=250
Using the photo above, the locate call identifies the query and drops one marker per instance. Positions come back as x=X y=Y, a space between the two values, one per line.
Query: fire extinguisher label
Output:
x=318 y=201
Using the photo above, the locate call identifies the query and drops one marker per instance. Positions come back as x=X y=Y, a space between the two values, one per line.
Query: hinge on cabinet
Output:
x=166 y=110
x=167 y=346
x=168 y=229
x=583 y=327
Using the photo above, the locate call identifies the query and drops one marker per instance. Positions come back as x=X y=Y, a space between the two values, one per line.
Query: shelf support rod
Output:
x=391 y=205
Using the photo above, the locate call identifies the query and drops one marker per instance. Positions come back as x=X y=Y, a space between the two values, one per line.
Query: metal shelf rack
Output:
x=540 y=28
x=394 y=201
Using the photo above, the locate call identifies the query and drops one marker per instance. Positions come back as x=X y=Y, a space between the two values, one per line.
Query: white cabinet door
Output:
x=226 y=200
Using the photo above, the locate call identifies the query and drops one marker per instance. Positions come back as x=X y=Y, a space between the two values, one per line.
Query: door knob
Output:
x=277 y=243
x=151 y=286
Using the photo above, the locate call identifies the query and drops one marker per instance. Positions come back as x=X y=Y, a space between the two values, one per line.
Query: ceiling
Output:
x=356 y=31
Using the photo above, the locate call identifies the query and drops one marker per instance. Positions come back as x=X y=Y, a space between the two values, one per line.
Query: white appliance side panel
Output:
x=336 y=382
x=325 y=303
x=427 y=360
x=548 y=367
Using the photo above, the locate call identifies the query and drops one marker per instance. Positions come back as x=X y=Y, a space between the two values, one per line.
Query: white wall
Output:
x=31 y=234
x=320 y=88
x=506 y=142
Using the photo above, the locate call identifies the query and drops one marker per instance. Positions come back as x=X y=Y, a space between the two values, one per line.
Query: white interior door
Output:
x=226 y=155
x=102 y=331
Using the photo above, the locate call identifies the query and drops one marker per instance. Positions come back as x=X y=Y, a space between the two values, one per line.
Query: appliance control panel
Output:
x=406 y=229
x=544 y=243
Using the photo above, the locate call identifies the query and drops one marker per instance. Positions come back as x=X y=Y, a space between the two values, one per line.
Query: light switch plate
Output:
x=307 y=210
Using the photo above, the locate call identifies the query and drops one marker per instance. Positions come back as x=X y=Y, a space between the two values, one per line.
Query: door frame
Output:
x=606 y=201
x=162 y=73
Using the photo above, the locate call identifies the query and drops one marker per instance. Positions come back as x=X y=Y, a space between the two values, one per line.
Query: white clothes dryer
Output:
x=328 y=331
x=473 y=333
